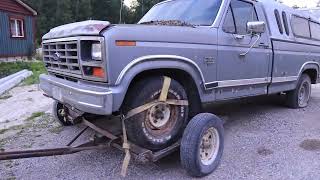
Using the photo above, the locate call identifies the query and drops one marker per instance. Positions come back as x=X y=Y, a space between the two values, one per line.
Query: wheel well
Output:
x=313 y=74
x=184 y=78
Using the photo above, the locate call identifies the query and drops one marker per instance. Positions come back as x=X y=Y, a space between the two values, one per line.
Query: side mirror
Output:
x=256 y=27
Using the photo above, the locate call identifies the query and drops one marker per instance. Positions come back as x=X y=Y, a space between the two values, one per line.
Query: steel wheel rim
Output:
x=159 y=115
x=304 y=94
x=209 y=146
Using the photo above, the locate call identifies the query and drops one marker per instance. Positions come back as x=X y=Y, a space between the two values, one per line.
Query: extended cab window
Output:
x=238 y=15
x=300 y=27
x=315 y=30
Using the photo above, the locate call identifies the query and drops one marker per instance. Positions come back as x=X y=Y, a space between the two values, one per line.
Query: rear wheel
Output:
x=299 y=98
x=162 y=124
x=60 y=114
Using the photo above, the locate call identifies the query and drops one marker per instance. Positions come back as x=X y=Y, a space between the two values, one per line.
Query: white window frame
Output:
x=16 y=35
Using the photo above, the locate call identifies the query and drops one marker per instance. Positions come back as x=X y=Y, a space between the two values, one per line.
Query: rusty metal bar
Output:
x=47 y=152
x=77 y=136
x=99 y=130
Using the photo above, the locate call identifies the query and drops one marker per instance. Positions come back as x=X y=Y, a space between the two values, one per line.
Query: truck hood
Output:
x=161 y=33
x=88 y=28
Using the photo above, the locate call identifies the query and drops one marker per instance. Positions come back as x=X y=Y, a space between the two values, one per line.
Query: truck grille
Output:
x=62 y=57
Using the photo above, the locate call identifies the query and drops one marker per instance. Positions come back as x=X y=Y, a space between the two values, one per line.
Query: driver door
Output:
x=240 y=76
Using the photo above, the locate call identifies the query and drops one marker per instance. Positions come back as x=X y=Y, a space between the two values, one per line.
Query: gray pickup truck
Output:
x=206 y=50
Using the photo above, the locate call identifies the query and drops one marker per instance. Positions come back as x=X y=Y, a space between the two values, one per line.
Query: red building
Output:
x=17 y=30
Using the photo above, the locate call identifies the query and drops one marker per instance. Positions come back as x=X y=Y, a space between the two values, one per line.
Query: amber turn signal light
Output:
x=98 y=72
x=125 y=43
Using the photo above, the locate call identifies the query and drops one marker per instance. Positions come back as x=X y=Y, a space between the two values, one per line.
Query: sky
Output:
x=300 y=3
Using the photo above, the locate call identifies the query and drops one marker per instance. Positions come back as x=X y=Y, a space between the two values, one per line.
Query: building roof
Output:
x=34 y=12
x=17 y=6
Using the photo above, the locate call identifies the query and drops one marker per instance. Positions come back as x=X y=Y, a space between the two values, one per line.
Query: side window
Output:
x=285 y=22
x=229 y=24
x=245 y=12
x=300 y=27
x=315 y=30
x=277 y=15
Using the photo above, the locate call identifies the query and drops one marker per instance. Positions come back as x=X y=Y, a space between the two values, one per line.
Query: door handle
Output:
x=263 y=45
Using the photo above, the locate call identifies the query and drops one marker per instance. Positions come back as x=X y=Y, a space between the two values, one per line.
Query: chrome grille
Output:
x=62 y=57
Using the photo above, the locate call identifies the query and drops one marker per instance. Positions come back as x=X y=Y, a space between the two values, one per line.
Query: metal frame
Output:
x=106 y=141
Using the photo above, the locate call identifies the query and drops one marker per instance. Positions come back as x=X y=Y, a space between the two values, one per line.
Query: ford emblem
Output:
x=56 y=56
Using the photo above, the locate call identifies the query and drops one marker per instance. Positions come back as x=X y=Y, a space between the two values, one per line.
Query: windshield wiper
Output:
x=169 y=23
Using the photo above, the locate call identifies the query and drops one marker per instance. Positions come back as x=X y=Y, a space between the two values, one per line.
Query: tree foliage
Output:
x=52 y=13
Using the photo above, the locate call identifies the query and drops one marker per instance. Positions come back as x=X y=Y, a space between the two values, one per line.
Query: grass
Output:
x=35 y=115
x=5 y=97
x=37 y=67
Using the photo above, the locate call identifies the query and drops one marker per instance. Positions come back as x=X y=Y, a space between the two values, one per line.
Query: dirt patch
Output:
x=262 y=151
x=22 y=103
x=311 y=145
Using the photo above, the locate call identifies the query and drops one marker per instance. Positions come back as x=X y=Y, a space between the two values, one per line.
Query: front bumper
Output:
x=84 y=97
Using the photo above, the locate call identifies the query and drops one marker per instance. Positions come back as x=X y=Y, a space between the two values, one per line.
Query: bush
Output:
x=8 y=68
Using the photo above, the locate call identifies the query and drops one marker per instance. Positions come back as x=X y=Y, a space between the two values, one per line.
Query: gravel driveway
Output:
x=263 y=140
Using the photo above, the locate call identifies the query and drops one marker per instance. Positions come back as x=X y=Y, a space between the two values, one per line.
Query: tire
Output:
x=299 y=98
x=196 y=159
x=141 y=128
x=56 y=111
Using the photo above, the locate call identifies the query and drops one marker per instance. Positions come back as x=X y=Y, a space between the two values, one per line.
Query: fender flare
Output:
x=157 y=58
x=309 y=65
x=154 y=62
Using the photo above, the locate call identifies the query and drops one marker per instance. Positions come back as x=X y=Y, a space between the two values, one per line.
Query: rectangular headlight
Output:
x=96 y=51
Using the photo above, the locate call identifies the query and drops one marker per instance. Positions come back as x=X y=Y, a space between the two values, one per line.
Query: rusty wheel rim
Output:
x=304 y=94
x=170 y=114
x=209 y=146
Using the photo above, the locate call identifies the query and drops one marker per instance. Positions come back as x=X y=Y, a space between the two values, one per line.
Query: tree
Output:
x=52 y=13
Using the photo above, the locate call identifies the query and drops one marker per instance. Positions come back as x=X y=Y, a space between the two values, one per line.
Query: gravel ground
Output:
x=263 y=140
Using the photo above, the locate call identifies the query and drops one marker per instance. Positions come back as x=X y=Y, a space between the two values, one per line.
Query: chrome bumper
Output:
x=86 y=98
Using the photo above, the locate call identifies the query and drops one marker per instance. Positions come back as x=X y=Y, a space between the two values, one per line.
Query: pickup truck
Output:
x=208 y=51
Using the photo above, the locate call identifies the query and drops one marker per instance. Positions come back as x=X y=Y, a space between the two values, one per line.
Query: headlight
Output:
x=96 y=51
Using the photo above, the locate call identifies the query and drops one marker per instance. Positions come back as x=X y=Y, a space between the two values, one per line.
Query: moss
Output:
x=8 y=68
x=5 y=97
x=35 y=115
x=2 y=131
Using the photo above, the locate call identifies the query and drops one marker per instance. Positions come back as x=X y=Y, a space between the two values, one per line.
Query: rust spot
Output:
x=264 y=151
x=310 y=145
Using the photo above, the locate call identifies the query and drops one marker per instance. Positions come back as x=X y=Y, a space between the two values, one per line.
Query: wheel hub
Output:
x=159 y=115
x=209 y=146
x=304 y=94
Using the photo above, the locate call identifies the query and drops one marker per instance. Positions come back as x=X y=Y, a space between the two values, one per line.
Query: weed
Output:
x=35 y=115
x=5 y=97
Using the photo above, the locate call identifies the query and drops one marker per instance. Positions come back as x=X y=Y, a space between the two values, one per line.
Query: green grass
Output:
x=35 y=115
x=8 y=68
x=4 y=97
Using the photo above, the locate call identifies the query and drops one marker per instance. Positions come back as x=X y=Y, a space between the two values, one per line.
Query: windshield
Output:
x=195 y=12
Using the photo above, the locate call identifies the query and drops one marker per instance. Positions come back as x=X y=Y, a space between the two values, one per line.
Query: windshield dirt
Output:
x=189 y=12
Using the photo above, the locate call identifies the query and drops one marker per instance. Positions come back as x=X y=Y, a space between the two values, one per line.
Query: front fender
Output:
x=148 y=63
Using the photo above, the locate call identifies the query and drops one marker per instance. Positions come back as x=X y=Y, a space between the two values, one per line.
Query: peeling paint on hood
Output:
x=90 y=28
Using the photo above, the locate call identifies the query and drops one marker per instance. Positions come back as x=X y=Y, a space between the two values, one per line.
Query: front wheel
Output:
x=162 y=124
x=60 y=114
x=299 y=98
